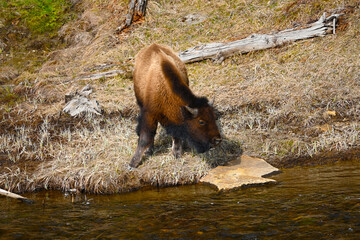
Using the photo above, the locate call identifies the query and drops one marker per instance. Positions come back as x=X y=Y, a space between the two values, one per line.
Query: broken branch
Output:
x=16 y=196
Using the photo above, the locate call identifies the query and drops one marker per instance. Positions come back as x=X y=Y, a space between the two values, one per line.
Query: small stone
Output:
x=329 y=114
x=193 y=19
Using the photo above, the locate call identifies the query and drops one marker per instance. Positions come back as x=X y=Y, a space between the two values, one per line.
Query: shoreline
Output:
x=161 y=170
x=297 y=104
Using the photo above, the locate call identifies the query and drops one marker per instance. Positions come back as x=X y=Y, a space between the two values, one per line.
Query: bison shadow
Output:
x=227 y=150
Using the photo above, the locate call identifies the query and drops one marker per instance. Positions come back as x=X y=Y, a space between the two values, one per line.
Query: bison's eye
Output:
x=202 y=123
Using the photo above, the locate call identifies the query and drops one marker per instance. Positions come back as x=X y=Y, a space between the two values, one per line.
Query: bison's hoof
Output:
x=177 y=154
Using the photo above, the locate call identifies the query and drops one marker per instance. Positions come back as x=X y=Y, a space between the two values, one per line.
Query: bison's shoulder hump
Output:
x=178 y=86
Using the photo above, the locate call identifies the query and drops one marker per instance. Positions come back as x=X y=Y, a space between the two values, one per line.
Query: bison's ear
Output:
x=189 y=113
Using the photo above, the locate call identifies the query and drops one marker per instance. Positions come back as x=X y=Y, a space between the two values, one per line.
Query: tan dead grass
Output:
x=271 y=103
x=95 y=159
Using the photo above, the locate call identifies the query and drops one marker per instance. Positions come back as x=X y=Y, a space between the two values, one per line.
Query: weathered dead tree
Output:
x=220 y=51
x=137 y=10
x=16 y=196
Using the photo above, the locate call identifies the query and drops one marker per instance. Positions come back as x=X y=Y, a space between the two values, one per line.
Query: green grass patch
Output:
x=38 y=16
x=7 y=96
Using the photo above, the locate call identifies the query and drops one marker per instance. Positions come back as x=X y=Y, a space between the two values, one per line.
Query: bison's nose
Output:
x=216 y=141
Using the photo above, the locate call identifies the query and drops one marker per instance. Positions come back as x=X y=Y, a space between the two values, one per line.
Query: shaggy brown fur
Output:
x=162 y=91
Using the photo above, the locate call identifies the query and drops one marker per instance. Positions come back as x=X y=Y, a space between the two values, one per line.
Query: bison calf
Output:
x=162 y=92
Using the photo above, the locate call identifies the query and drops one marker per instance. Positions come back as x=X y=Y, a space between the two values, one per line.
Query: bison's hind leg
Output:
x=146 y=130
x=177 y=147
x=145 y=143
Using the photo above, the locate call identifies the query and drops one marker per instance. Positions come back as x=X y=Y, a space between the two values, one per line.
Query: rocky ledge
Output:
x=241 y=172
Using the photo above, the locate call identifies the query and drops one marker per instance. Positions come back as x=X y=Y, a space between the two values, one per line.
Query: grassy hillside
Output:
x=28 y=32
x=292 y=105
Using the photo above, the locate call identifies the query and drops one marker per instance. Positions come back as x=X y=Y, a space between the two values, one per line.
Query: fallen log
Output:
x=220 y=51
x=16 y=196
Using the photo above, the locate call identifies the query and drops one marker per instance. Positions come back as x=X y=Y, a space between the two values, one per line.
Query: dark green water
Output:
x=307 y=203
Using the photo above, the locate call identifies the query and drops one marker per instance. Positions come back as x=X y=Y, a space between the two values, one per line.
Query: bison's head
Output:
x=202 y=131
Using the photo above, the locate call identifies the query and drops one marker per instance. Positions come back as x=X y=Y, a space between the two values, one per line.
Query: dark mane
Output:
x=180 y=89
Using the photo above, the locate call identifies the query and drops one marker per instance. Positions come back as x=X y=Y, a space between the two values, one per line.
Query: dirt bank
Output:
x=298 y=104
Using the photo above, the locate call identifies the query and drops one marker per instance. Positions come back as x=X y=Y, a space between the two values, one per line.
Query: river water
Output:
x=306 y=203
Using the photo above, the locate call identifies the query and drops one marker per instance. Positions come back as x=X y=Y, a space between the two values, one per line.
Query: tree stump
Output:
x=137 y=11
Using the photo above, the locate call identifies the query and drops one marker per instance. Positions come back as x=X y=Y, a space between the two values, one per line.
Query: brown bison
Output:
x=162 y=92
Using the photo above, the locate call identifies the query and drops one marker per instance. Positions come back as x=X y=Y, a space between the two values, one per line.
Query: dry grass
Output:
x=274 y=104
x=95 y=159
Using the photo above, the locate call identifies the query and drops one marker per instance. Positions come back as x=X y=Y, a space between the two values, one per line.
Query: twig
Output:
x=16 y=196
x=96 y=76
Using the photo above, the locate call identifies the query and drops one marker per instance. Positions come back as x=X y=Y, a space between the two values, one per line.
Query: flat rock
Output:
x=241 y=172
x=192 y=19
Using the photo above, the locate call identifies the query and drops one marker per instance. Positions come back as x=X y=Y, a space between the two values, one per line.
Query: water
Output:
x=307 y=203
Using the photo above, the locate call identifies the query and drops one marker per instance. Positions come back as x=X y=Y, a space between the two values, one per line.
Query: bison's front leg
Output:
x=177 y=147
x=146 y=131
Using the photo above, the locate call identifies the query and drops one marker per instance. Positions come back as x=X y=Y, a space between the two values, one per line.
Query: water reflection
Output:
x=308 y=203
